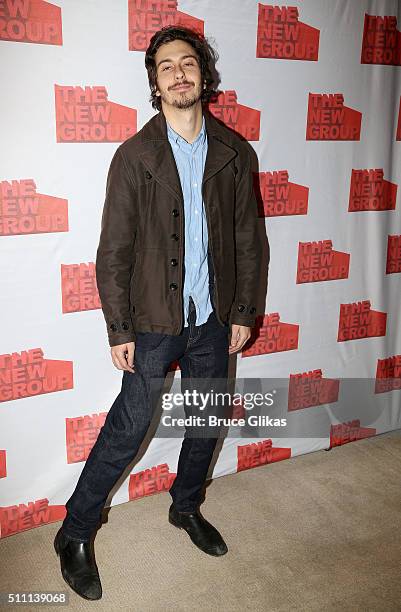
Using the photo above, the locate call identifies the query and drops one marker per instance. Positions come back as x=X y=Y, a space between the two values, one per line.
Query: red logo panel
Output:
x=145 y=17
x=78 y=287
x=349 y=432
x=242 y=119
x=358 y=321
x=27 y=374
x=81 y=435
x=148 y=482
x=24 y=211
x=259 y=453
x=381 y=41
x=31 y=21
x=281 y=35
x=308 y=389
x=388 y=374
x=85 y=114
x=369 y=191
x=14 y=519
x=3 y=464
x=393 y=263
x=329 y=119
x=272 y=337
x=277 y=196
x=317 y=262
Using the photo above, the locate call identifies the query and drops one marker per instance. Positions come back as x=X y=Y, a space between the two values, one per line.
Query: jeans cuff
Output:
x=70 y=537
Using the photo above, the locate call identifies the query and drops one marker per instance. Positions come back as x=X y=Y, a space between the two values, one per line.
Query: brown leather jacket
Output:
x=140 y=258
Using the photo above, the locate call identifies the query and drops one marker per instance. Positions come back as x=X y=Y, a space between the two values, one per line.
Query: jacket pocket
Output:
x=134 y=284
x=155 y=288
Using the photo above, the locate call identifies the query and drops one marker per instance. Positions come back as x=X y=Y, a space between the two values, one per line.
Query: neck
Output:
x=186 y=122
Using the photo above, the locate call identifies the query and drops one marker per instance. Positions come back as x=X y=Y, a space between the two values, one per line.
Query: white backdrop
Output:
x=37 y=474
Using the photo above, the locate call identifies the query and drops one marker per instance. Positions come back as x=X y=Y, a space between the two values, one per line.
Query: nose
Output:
x=179 y=73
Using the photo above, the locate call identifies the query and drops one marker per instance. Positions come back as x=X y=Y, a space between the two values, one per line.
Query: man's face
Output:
x=178 y=75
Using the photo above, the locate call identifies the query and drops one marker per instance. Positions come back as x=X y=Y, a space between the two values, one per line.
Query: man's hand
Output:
x=239 y=335
x=122 y=356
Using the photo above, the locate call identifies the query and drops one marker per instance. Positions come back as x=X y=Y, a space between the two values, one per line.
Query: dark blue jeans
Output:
x=202 y=352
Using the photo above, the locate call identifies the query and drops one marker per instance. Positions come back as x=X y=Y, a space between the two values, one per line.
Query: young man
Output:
x=170 y=290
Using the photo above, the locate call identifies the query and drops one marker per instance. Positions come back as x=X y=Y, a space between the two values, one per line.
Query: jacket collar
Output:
x=157 y=154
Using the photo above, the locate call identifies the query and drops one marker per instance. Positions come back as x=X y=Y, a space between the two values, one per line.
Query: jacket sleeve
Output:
x=115 y=252
x=248 y=253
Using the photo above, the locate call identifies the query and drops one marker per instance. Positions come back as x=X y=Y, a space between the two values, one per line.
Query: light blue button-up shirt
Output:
x=190 y=160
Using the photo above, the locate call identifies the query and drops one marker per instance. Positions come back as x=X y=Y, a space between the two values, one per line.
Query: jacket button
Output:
x=174 y=236
x=173 y=286
x=125 y=325
x=252 y=310
x=241 y=307
x=148 y=175
x=173 y=262
x=175 y=212
x=113 y=327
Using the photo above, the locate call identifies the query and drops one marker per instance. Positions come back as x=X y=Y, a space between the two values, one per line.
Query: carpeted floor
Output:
x=317 y=532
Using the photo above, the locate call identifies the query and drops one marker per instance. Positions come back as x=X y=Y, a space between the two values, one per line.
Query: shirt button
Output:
x=196 y=212
x=196 y=240
x=195 y=184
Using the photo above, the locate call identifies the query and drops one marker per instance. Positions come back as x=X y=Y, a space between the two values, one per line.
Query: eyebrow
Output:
x=182 y=57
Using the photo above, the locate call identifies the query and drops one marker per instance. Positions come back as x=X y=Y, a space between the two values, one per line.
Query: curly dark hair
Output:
x=206 y=54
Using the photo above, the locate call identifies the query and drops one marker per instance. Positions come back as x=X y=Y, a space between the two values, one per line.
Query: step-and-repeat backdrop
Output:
x=314 y=86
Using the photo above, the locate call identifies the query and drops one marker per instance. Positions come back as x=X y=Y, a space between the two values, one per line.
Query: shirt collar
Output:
x=178 y=139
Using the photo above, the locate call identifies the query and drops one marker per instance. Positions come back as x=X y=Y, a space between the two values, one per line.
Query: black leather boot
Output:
x=78 y=566
x=202 y=533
